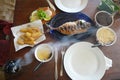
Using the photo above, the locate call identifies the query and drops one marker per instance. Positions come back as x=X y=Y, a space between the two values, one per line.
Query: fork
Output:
x=62 y=53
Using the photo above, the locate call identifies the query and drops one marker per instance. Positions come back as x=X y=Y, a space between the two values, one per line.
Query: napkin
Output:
x=16 y=33
x=108 y=62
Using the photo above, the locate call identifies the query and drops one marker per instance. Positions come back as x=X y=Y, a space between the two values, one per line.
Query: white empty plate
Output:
x=82 y=62
x=71 y=6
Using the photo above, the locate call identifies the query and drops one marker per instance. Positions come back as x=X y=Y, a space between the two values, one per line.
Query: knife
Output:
x=56 y=59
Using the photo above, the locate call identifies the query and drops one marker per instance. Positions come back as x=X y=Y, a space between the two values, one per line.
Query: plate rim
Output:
x=71 y=74
x=71 y=10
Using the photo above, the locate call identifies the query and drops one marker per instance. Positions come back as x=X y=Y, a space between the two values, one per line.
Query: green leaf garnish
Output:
x=41 y=14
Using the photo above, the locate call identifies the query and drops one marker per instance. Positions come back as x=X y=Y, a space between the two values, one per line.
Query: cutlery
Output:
x=96 y=45
x=37 y=66
x=51 y=5
x=62 y=53
x=56 y=58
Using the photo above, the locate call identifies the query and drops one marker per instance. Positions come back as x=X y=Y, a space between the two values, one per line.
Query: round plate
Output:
x=61 y=18
x=81 y=62
x=71 y=6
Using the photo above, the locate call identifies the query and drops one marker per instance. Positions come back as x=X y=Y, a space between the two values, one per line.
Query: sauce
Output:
x=105 y=36
x=44 y=53
x=104 y=19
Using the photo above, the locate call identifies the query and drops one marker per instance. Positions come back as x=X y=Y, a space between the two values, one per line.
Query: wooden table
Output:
x=46 y=71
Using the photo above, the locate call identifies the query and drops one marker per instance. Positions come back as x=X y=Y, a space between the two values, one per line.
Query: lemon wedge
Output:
x=34 y=16
x=47 y=18
x=44 y=14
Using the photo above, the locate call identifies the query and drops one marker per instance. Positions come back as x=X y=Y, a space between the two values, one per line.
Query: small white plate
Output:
x=82 y=62
x=43 y=47
x=71 y=6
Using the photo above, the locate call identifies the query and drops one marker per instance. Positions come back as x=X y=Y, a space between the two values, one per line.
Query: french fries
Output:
x=30 y=34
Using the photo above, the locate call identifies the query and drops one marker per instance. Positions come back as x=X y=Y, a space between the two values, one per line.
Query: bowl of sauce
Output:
x=104 y=18
x=106 y=36
x=43 y=53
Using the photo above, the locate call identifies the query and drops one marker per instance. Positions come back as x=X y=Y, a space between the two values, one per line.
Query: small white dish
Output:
x=106 y=19
x=16 y=33
x=106 y=36
x=81 y=62
x=42 y=51
x=71 y=6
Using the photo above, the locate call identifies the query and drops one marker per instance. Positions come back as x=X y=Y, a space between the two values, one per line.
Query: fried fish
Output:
x=71 y=28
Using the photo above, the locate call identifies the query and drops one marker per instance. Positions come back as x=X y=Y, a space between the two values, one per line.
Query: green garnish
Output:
x=109 y=6
x=41 y=14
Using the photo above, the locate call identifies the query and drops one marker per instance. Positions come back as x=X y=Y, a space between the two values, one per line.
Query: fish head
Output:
x=83 y=24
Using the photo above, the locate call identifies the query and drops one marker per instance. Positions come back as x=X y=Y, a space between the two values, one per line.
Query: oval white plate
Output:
x=82 y=62
x=71 y=6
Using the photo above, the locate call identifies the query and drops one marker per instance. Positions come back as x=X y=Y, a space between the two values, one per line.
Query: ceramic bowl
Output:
x=106 y=36
x=43 y=53
x=106 y=19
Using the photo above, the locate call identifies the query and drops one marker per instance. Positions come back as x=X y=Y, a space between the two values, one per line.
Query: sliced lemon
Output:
x=47 y=18
x=34 y=16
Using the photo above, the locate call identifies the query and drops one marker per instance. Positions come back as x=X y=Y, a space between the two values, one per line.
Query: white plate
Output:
x=82 y=62
x=71 y=6
x=16 y=33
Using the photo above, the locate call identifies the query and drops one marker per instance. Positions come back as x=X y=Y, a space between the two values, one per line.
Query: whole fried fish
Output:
x=71 y=28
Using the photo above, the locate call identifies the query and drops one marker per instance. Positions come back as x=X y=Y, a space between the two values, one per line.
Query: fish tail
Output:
x=50 y=27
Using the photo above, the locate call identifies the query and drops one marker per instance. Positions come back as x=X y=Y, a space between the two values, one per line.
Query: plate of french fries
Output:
x=28 y=34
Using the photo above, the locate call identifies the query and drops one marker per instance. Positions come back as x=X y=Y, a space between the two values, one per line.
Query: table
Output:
x=23 y=10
